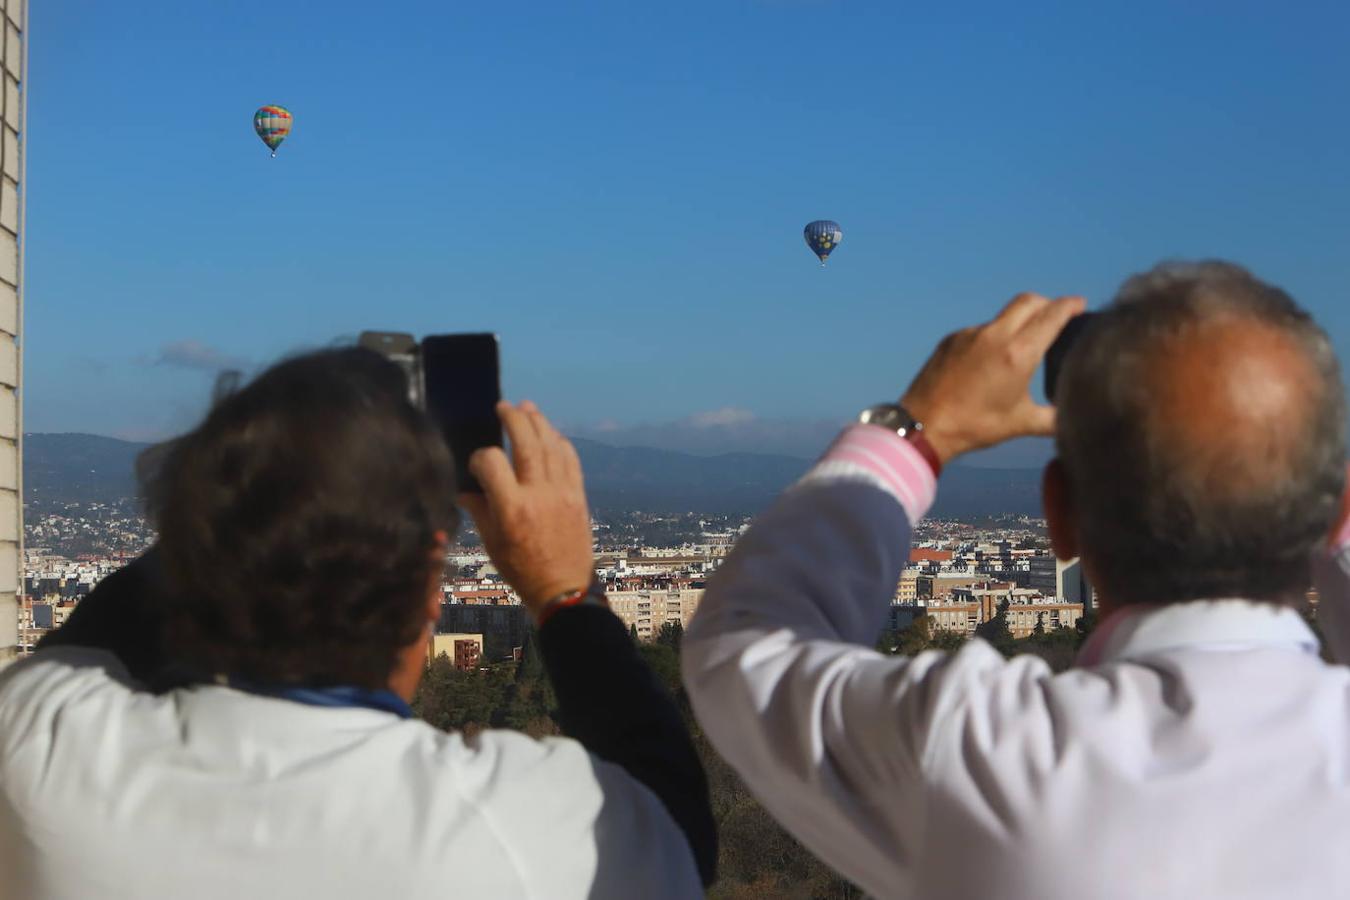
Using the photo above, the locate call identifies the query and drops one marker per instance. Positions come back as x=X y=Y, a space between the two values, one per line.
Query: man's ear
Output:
x=434 y=605
x=1060 y=516
x=434 y=594
x=1340 y=533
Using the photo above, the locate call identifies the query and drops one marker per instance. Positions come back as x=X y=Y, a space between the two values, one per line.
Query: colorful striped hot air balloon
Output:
x=822 y=236
x=272 y=123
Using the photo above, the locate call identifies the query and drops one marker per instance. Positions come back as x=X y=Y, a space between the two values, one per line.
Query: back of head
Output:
x=1202 y=429
x=297 y=524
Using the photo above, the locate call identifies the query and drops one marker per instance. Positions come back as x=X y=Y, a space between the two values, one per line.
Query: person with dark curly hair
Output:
x=228 y=715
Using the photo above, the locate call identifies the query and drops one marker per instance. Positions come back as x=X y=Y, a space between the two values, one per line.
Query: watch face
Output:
x=887 y=415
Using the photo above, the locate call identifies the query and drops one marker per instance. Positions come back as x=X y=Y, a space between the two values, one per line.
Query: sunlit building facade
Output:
x=13 y=60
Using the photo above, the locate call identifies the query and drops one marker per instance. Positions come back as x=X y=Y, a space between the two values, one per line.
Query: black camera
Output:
x=1059 y=350
x=456 y=379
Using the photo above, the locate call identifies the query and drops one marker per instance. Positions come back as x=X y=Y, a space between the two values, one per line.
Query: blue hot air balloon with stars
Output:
x=822 y=236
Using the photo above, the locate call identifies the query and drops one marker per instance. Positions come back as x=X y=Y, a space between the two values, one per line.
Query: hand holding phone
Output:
x=533 y=517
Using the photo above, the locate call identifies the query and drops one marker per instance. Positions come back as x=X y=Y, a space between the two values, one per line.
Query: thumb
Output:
x=477 y=507
x=1037 y=420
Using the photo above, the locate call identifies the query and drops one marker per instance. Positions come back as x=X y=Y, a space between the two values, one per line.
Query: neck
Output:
x=408 y=668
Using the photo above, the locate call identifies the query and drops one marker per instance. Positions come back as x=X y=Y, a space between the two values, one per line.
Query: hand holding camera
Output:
x=974 y=391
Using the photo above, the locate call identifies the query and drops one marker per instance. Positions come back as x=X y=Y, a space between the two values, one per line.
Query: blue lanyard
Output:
x=383 y=700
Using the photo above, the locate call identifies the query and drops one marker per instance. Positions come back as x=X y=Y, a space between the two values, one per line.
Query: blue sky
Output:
x=618 y=189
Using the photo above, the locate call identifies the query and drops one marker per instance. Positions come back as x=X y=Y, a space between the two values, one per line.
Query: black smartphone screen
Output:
x=1054 y=357
x=462 y=382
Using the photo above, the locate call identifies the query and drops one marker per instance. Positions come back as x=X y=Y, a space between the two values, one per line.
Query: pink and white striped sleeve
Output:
x=881 y=457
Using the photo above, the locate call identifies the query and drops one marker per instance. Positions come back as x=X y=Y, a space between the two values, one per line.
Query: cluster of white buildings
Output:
x=647 y=588
x=53 y=586
x=960 y=584
x=957 y=581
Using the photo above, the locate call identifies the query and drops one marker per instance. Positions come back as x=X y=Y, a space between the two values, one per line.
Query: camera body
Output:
x=456 y=380
x=1059 y=350
x=403 y=349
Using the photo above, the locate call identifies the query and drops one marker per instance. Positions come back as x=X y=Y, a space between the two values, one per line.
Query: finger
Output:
x=572 y=464
x=1040 y=330
x=476 y=506
x=564 y=463
x=1037 y=421
x=1018 y=312
x=525 y=449
x=493 y=471
x=480 y=514
x=548 y=439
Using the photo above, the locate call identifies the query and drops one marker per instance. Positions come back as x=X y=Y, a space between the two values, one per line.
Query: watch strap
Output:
x=591 y=595
x=926 y=450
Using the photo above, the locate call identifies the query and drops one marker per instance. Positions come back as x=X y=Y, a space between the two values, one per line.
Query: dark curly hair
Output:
x=297 y=522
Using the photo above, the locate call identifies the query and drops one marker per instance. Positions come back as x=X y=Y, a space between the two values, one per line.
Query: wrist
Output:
x=935 y=432
x=591 y=595
x=536 y=596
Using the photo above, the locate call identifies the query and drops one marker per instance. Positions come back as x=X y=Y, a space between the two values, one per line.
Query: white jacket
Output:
x=1202 y=751
x=213 y=793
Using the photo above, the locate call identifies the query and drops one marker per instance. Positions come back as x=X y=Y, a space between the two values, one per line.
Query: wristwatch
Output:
x=591 y=595
x=896 y=418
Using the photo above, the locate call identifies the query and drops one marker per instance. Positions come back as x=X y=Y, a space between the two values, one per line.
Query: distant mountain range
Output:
x=65 y=468
x=83 y=468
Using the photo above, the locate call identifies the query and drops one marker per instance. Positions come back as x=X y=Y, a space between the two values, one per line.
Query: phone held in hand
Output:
x=456 y=379
x=1059 y=350
x=461 y=382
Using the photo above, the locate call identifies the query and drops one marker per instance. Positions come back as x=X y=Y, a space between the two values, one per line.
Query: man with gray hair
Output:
x=1199 y=748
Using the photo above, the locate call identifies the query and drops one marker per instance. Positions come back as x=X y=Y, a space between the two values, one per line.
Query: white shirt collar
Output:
x=1137 y=631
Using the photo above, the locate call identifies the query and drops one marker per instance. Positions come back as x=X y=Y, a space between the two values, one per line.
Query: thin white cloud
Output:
x=724 y=430
x=193 y=354
x=726 y=417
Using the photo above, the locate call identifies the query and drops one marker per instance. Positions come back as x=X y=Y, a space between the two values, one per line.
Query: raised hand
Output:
x=975 y=390
x=532 y=514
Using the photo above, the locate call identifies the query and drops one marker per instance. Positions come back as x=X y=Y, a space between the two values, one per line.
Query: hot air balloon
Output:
x=822 y=236
x=272 y=123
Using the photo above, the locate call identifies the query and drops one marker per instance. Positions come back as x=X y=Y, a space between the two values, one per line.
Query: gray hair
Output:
x=1159 y=522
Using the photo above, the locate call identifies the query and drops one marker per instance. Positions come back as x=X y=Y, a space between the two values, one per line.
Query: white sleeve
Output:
x=829 y=734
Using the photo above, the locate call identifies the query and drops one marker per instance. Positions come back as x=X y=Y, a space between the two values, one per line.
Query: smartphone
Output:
x=1059 y=350
x=461 y=385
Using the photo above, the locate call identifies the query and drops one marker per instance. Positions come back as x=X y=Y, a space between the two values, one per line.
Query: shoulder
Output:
x=974 y=697
x=570 y=822
x=513 y=778
x=66 y=691
x=35 y=689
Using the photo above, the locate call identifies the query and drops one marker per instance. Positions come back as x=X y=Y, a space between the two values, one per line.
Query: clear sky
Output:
x=618 y=189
